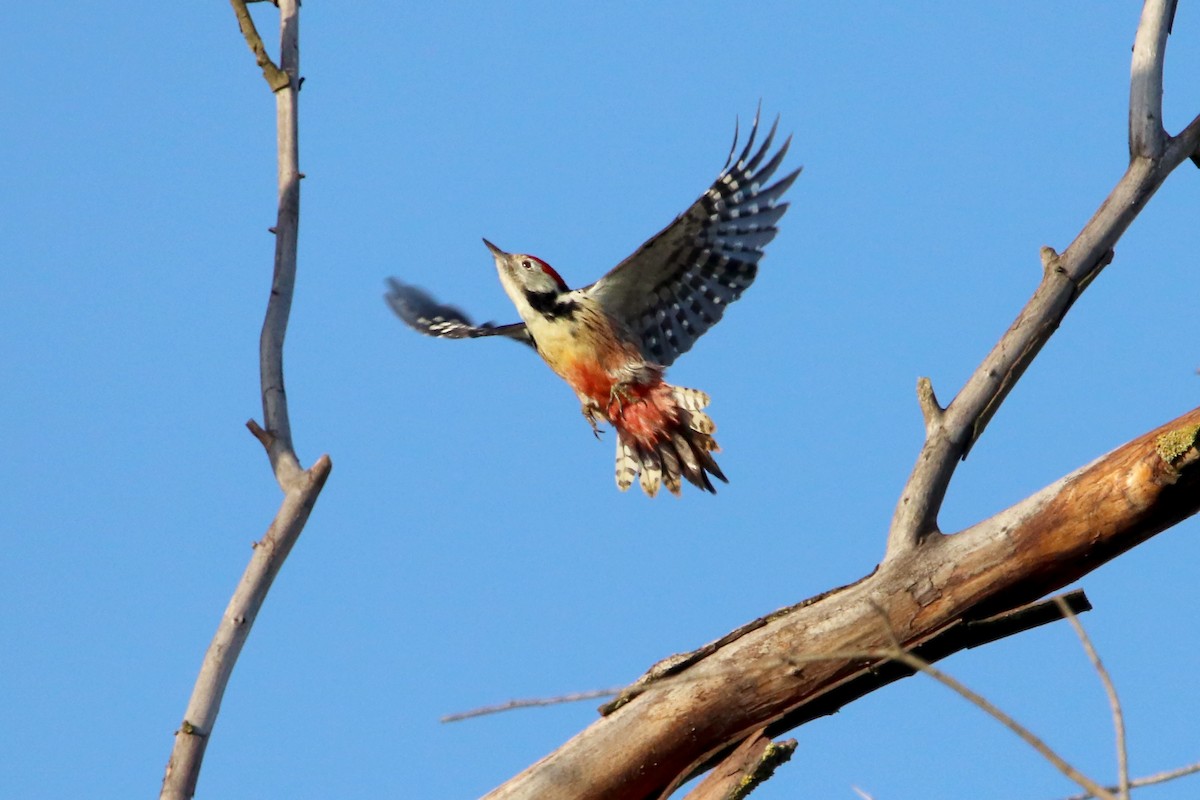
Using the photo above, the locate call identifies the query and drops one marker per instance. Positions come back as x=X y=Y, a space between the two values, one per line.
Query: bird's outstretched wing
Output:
x=676 y=285
x=425 y=315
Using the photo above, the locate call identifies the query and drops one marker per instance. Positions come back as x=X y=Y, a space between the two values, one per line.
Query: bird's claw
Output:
x=618 y=396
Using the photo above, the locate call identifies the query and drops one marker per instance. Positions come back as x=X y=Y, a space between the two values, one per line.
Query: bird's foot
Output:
x=591 y=412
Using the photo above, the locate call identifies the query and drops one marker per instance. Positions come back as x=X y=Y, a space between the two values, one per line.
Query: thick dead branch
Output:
x=958 y=635
x=1045 y=542
x=880 y=670
x=301 y=487
x=1154 y=155
x=740 y=760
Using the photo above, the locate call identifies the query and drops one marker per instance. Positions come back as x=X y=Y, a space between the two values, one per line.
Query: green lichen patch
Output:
x=1173 y=444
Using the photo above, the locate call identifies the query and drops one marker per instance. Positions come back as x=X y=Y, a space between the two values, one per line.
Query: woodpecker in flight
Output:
x=613 y=340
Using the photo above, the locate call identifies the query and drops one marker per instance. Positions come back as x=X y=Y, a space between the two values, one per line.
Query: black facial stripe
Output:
x=551 y=305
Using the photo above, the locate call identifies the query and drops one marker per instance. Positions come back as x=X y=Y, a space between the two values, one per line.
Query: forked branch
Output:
x=950 y=435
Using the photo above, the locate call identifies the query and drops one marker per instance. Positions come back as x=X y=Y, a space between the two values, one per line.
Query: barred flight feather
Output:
x=627 y=465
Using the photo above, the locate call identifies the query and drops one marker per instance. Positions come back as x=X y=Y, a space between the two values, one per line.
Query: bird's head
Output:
x=522 y=274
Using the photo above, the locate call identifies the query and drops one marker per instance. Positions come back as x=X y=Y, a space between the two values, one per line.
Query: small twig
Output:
x=1109 y=689
x=749 y=765
x=1186 y=144
x=930 y=410
x=1149 y=780
x=276 y=78
x=533 y=702
x=264 y=438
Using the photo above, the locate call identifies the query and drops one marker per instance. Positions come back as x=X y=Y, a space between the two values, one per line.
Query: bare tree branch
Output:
x=1113 y=702
x=191 y=739
x=952 y=638
x=287 y=233
x=1147 y=139
x=301 y=487
x=949 y=436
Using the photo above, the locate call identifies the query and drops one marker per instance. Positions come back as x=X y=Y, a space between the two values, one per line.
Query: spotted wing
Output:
x=425 y=315
x=677 y=285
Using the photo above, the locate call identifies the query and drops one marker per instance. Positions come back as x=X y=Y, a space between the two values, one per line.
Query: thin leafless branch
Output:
x=191 y=739
x=287 y=233
x=1111 y=691
x=1004 y=719
x=898 y=653
x=301 y=487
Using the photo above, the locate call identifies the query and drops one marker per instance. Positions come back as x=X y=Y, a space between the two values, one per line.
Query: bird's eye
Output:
x=527 y=264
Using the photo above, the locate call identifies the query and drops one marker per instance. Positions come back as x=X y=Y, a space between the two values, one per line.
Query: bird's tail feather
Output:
x=681 y=447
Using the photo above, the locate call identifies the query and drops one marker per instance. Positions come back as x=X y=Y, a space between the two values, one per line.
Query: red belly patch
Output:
x=645 y=411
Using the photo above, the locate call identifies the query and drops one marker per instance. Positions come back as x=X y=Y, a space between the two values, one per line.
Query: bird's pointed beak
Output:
x=496 y=251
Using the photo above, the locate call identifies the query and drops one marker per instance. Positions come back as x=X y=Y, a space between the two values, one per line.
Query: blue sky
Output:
x=470 y=546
